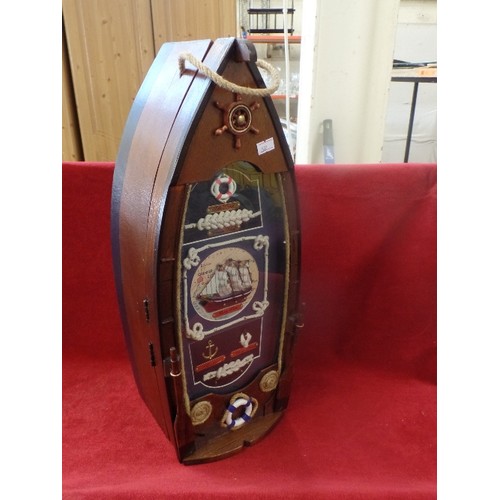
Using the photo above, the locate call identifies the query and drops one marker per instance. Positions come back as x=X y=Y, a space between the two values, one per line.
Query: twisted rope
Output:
x=224 y=219
x=226 y=84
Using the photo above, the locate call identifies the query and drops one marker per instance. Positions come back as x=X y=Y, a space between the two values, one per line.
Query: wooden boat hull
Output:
x=204 y=186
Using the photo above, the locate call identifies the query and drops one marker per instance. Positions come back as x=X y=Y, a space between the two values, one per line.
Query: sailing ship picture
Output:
x=230 y=284
x=224 y=283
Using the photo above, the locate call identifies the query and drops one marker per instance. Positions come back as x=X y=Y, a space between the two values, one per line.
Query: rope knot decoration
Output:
x=226 y=84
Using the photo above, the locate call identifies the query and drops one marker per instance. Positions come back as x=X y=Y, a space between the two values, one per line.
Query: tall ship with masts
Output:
x=229 y=285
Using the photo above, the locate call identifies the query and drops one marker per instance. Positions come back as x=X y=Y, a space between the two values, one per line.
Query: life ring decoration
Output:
x=223 y=188
x=249 y=406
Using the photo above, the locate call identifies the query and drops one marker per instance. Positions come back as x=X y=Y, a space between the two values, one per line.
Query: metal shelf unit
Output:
x=269 y=20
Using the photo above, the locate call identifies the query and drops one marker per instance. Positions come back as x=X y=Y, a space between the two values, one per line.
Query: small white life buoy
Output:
x=223 y=188
x=233 y=423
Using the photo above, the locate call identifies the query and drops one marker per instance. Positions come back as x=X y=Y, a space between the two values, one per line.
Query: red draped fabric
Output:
x=361 y=422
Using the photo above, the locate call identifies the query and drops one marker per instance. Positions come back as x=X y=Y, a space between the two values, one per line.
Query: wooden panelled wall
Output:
x=108 y=47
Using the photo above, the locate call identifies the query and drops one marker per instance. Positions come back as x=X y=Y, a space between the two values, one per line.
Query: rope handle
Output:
x=226 y=84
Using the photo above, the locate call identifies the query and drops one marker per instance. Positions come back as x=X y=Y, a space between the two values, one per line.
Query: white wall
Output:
x=416 y=42
x=344 y=65
x=345 y=70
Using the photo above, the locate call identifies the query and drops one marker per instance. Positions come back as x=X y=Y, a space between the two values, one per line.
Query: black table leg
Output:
x=410 y=124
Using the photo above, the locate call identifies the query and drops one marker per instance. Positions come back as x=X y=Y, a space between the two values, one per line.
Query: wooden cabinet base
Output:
x=233 y=442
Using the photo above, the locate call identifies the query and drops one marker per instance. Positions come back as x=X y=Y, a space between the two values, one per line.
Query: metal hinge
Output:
x=145 y=303
x=152 y=358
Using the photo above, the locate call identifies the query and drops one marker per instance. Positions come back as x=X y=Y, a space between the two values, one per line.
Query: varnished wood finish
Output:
x=221 y=147
x=229 y=444
x=169 y=145
x=149 y=122
x=183 y=427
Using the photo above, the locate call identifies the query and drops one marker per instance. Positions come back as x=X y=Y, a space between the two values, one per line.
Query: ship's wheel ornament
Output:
x=237 y=119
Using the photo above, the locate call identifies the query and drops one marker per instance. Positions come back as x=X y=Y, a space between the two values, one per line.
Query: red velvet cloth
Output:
x=361 y=422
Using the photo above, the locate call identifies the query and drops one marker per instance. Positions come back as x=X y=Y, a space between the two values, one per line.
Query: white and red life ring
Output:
x=221 y=193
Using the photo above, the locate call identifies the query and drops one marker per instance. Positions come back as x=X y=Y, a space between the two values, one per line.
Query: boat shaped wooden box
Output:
x=205 y=237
